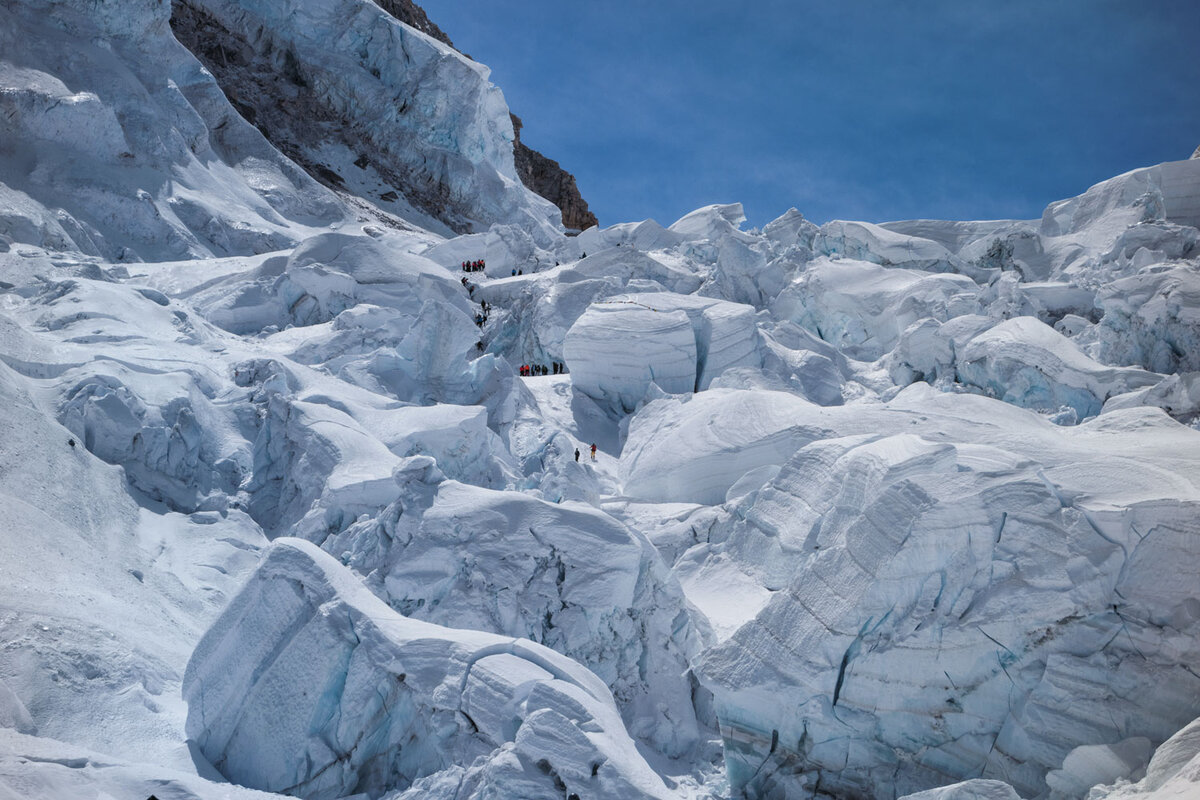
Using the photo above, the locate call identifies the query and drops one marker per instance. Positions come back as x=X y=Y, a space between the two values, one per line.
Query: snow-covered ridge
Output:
x=374 y=106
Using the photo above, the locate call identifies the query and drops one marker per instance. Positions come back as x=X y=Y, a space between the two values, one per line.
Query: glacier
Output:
x=907 y=509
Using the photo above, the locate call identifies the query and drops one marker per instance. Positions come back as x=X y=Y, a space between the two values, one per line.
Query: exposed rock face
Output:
x=1196 y=154
x=414 y=16
x=545 y=176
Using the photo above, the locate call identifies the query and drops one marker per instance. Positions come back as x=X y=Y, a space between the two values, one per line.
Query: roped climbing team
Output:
x=473 y=266
x=555 y=368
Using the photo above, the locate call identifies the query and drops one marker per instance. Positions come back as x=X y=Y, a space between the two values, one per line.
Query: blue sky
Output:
x=851 y=109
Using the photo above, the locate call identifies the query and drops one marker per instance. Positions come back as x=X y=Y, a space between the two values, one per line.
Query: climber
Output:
x=576 y=453
x=71 y=442
x=593 y=451
x=514 y=272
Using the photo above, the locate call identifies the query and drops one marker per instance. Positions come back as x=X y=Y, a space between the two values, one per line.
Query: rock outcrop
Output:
x=546 y=177
x=414 y=16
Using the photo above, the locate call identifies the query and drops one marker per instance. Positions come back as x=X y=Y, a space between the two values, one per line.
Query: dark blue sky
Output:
x=852 y=109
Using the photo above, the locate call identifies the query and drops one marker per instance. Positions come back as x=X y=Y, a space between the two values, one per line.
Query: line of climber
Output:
x=473 y=266
x=555 y=368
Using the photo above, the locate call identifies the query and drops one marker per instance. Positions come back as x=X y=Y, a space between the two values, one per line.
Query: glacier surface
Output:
x=873 y=510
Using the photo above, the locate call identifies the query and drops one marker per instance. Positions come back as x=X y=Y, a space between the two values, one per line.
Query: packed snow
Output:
x=294 y=504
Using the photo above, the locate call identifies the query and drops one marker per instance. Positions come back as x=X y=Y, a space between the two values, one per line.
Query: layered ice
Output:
x=862 y=241
x=615 y=351
x=695 y=451
x=618 y=348
x=863 y=308
x=947 y=609
x=506 y=563
x=808 y=535
x=421 y=117
x=1026 y=362
x=309 y=684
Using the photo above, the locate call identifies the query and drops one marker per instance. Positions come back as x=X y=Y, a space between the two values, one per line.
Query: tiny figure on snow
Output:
x=576 y=453
x=593 y=451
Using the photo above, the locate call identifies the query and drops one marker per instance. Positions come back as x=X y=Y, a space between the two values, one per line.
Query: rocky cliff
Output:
x=414 y=16
x=546 y=177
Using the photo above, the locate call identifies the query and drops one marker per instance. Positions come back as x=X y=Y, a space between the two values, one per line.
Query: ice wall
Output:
x=387 y=101
x=679 y=343
x=311 y=685
x=566 y=576
x=952 y=609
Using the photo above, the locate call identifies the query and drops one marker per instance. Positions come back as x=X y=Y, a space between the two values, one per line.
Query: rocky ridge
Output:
x=546 y=177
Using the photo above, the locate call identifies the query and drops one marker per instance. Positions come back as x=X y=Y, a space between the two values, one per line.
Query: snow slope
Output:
x=389 y=113
x=117 y=143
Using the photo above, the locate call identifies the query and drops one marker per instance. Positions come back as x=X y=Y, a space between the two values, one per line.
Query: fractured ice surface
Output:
x=308 y=683
x=615 y=351
x=424 y=112
x=831 y=525
x=969 y=607
x=863 y=308
x=1153 y=319
x=678 y=342
x=1028 y=363
x=1173 y=772
x=118 y=143
x=510 y=564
